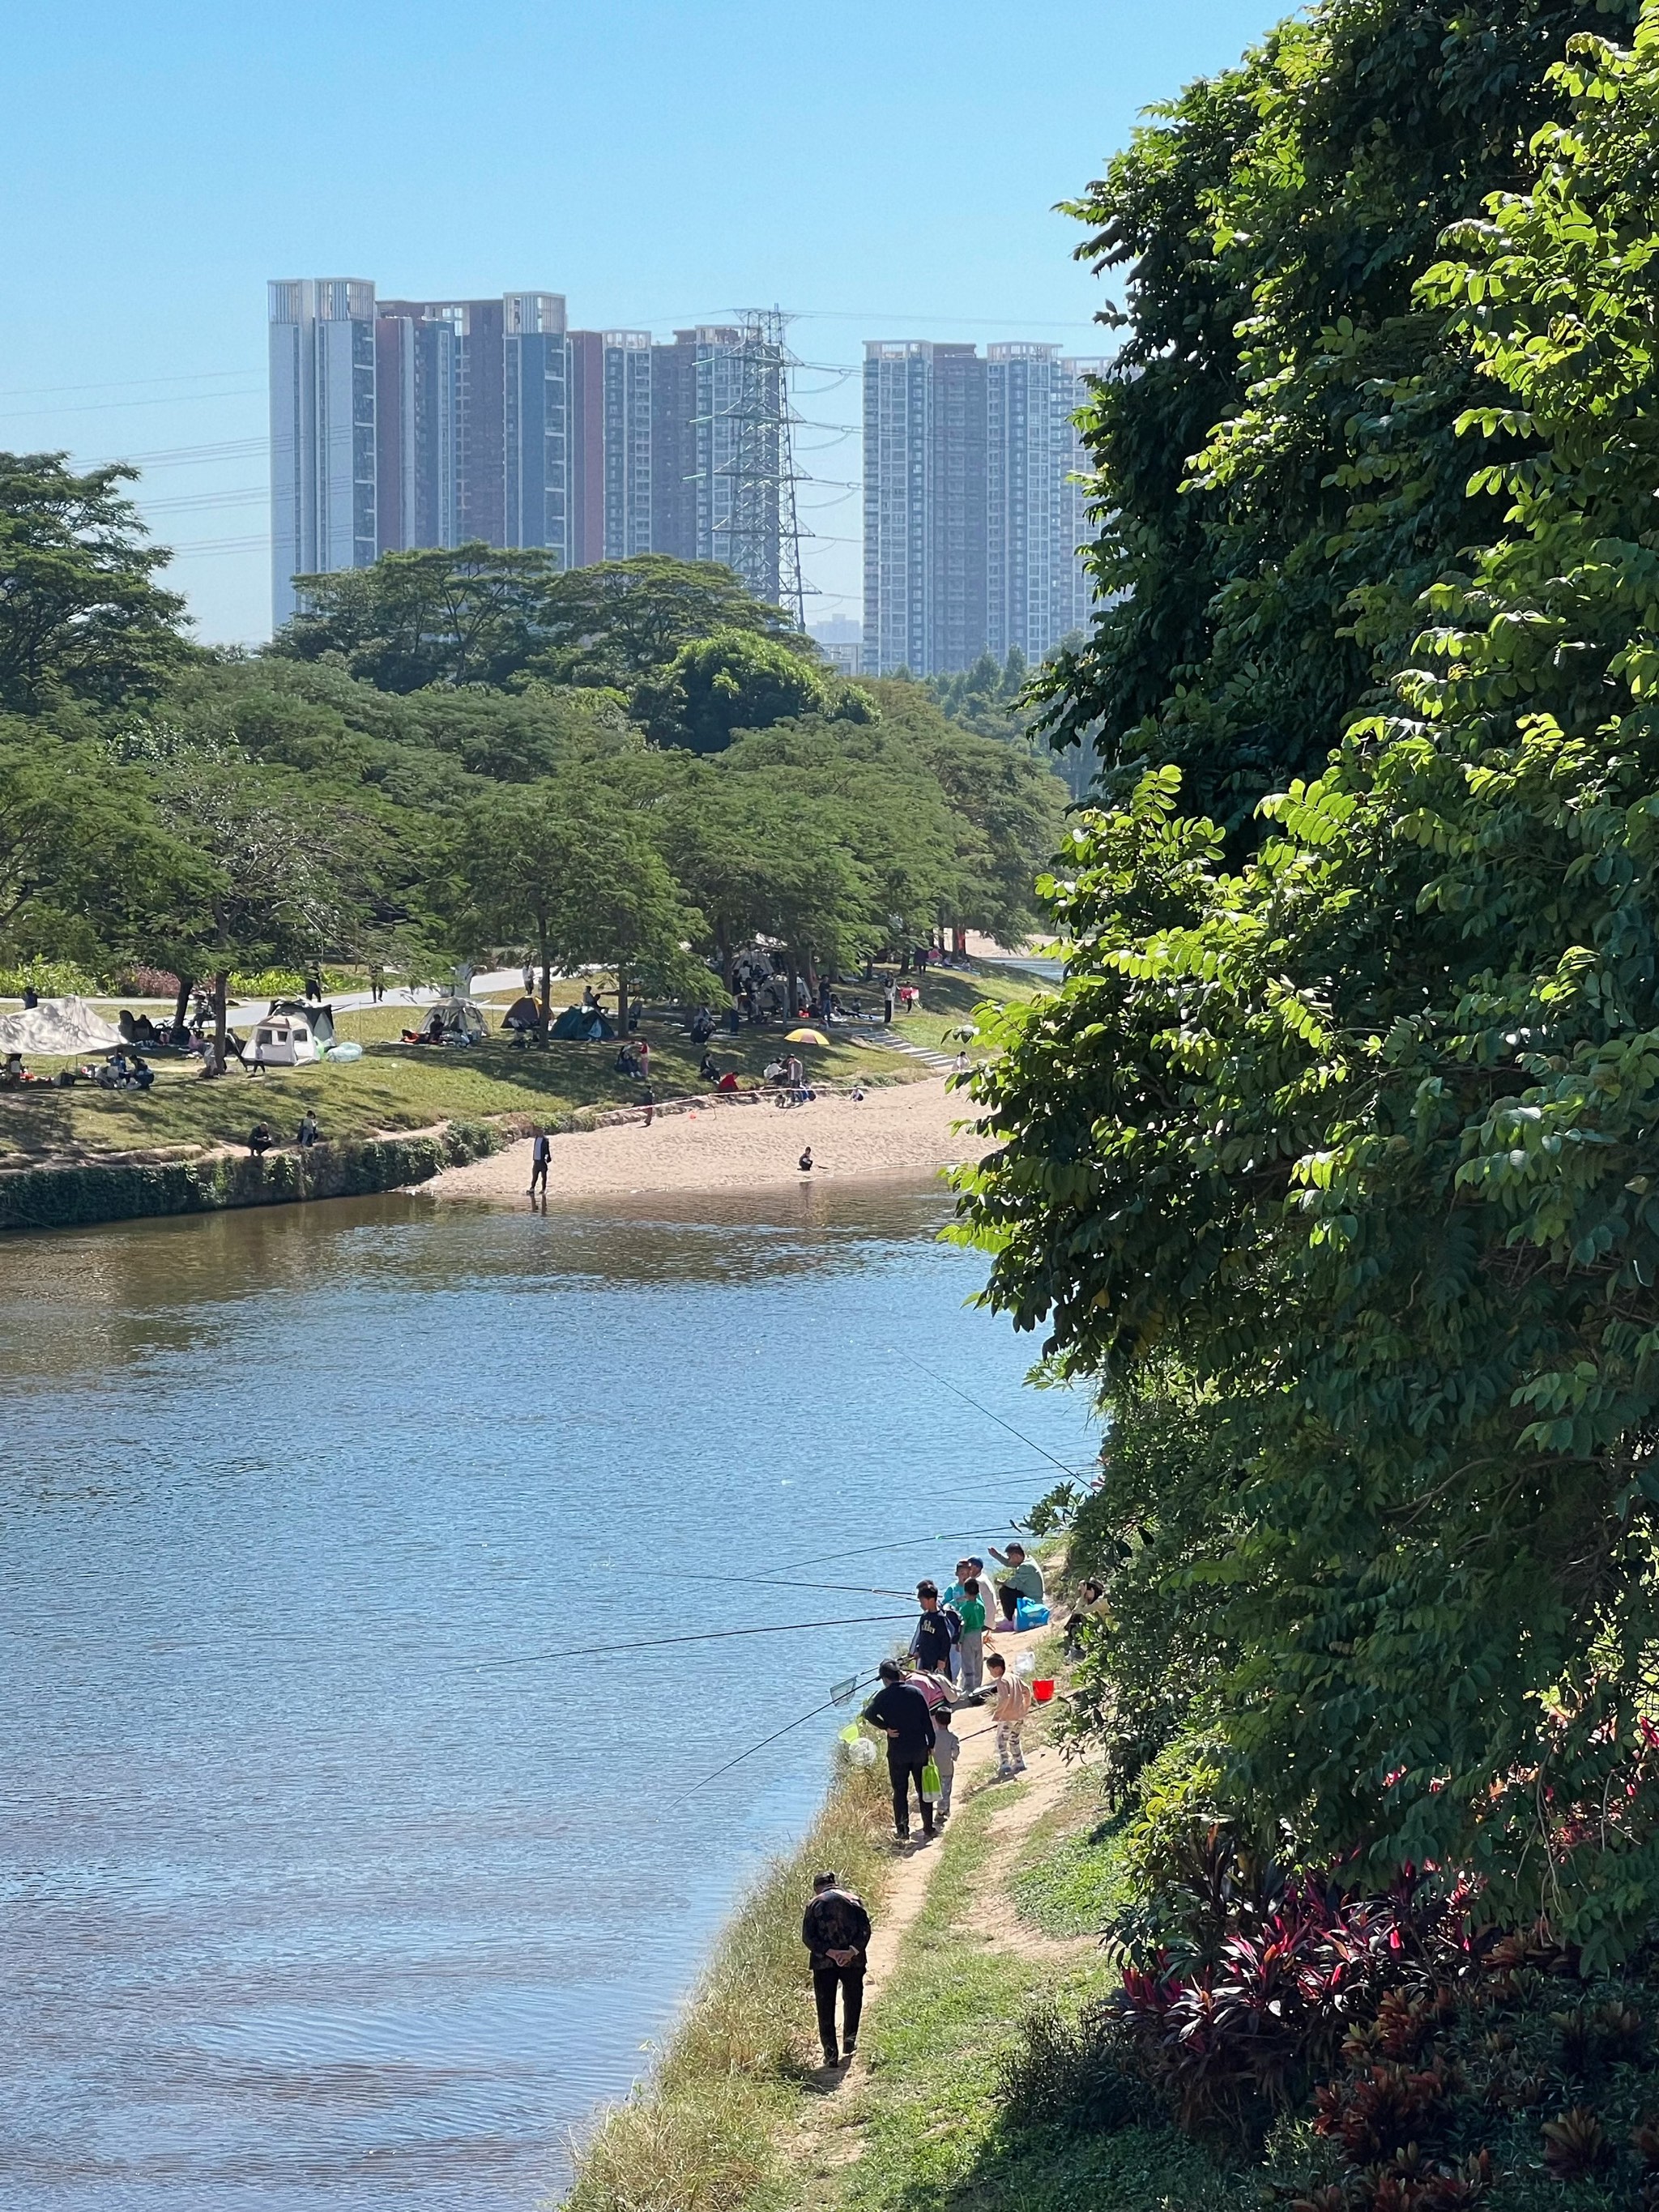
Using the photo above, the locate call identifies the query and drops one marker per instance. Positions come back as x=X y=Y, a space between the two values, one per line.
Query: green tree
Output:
x=570 y=865
x=732 y=680
x=1268 y=517
x=618 y=623
x=89 y=871
x=81 y=615
x=468 y=614
x=1353 y=1144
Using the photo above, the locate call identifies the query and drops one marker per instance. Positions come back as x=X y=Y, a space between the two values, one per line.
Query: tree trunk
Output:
x=723 y=946
x=220 y=987
x=622 y=999
x=180 y=1008
x=547 y=974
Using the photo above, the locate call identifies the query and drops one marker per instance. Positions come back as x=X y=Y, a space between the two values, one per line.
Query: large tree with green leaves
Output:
x=1279 y=474
x=1342 y=1161
x=81 y=615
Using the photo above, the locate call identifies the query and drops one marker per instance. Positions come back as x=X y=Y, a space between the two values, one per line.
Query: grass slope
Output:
x=396 y=1087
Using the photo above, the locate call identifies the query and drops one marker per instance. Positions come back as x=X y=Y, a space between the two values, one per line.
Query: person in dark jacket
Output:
x=901 y=1714
x=836 y=1929
x=930 y=1647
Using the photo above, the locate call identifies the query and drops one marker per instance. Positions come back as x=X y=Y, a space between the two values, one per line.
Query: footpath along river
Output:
x=307 y=1901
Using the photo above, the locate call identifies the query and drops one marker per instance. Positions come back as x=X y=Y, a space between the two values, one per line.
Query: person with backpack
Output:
x=932 y=1645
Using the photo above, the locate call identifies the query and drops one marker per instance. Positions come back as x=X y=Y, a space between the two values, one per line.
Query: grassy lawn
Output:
x=398 y=1087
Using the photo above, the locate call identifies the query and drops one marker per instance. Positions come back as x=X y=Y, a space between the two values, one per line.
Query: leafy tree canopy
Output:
x=476 y=614
x=1278 y=472
x=81 y=614
x=1340 y=1161
x=737 y=679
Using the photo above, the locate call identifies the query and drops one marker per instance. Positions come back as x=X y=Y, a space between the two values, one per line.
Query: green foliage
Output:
x=480 y=614
x=1357 y=1140
x=733 y=680
x=1278 y=471
x=81 y=614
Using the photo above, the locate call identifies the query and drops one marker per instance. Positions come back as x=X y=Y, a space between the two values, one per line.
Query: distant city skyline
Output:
x=402 y=424
x=662 y=165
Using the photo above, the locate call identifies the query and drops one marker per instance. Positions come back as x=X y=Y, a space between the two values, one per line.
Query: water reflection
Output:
x=308 y=1900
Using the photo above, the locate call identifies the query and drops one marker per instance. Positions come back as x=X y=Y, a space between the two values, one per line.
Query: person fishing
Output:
x=900 y=1712
x=931 y=1645
x=836 y=1929
x=1023 y=1580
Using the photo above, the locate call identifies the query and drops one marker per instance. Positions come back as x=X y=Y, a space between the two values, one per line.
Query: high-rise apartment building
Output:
x=399 y=423
x=970 y=525
x=324 y=473
x=613 y=422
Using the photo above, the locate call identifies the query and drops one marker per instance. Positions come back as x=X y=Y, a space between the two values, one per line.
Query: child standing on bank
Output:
x=1013 y=1705
x=946 y=1744
x=970 y=1649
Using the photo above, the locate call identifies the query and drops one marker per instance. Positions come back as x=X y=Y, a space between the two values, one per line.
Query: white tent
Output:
x=280 y=1041
x=57 y=1029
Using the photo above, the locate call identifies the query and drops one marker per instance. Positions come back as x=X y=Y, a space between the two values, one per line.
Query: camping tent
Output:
x=452 y=1021
x=316 y=1015
x=283 y=1039
x=586 y=1023
x=57 y=1029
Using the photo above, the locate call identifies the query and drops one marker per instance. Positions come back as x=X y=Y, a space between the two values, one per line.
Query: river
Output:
x=340 y=1866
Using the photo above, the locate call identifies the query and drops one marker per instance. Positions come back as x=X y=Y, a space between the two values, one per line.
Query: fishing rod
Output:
x=1007 y=1426
x=900 y=1543
x=844 y=1698
x=662 y=1643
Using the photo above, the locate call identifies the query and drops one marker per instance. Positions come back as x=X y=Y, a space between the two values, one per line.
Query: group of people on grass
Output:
x=947 y=1668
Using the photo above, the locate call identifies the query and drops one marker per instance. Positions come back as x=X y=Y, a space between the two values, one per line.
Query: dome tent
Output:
x=57 y=1029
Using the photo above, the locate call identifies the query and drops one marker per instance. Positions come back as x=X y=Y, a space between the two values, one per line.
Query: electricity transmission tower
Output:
x=759 y=531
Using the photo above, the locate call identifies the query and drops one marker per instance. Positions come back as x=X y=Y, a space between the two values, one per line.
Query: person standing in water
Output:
x=806 y=1161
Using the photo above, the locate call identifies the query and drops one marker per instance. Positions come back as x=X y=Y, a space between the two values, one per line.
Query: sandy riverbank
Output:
x=907 y=1129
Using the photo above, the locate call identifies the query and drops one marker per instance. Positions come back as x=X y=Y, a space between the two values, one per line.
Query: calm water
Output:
x=305 y=1900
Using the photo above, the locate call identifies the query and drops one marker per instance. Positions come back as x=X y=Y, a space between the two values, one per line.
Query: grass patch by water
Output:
x=705 y=2134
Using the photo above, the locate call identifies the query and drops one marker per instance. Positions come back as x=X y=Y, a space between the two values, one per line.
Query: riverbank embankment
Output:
x=737 y=2112
x=909 y=1129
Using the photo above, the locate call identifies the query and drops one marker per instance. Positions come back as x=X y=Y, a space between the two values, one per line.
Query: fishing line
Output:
x=900 y=1543
x=662 y=1643
x=1007 y=1426
x=859 y=1683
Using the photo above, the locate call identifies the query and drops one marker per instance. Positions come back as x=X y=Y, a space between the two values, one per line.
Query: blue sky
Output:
x=885 y=168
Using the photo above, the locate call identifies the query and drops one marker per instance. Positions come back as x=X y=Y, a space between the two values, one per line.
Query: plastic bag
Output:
x=930 y=1785
x=863 y=1753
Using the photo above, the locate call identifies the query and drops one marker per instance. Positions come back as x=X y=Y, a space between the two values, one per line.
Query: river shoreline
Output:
x=744 y=1142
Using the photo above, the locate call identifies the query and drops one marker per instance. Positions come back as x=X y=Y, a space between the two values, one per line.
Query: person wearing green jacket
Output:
x=1023 y=1579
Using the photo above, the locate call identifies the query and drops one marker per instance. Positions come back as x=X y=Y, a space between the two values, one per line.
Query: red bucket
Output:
x=1042 y=1691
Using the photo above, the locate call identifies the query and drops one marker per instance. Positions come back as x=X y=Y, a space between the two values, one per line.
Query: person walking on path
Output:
x=1013 y=1705
x=970 y=1648
x=541 y=1159
x=836 y=1929
x=930 y=1647
x=900 y=1712
x=1023 y=1579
